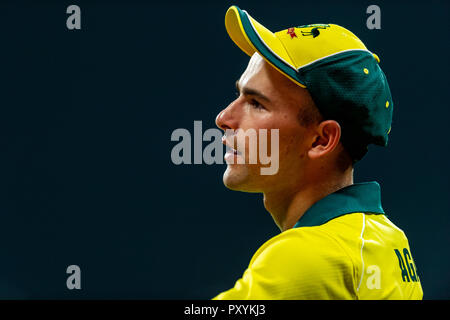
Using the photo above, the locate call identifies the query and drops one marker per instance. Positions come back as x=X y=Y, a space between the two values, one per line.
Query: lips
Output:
x=230 y=146
x=238 y=153
x=231 y=153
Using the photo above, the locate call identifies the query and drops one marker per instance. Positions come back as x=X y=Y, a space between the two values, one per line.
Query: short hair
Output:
x=309 y=114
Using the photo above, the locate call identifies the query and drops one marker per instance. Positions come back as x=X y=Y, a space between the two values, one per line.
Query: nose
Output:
x=220 y=123
x=226 y=119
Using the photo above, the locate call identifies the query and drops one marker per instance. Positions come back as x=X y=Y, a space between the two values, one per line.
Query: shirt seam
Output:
x=349 y=256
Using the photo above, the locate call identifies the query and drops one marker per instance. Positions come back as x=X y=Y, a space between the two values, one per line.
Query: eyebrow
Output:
x=251 y=92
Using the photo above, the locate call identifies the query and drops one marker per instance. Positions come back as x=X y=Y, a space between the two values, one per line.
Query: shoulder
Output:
x=308 y=262
x=306 y=249
x=301 y=242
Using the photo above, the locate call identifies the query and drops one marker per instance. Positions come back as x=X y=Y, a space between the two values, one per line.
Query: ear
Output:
x=328 y=135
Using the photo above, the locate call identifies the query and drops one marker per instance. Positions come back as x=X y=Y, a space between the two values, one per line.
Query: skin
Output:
x=308 y=155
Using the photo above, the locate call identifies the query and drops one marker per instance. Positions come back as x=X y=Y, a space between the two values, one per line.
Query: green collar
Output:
x=358 y=197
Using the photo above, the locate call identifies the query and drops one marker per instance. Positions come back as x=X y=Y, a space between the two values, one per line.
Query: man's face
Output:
x=266 y=100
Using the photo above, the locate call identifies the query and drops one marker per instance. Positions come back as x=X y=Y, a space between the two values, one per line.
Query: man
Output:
x=325 y=92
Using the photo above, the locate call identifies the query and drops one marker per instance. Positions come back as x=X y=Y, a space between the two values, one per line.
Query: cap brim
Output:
x=251 y=36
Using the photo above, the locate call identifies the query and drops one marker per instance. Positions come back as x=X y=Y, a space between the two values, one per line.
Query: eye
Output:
x=256 y=105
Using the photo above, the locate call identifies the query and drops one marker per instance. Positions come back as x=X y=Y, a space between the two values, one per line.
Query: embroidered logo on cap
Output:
x=314 y=31
x=291 y=32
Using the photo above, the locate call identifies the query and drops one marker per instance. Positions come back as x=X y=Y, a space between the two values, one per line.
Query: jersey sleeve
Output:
x=297 y=264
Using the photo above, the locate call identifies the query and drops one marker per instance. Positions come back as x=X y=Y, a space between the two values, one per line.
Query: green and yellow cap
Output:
x=343 y=77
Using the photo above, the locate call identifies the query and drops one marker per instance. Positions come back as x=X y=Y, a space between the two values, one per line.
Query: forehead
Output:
x=256 y=73
x=254 y=68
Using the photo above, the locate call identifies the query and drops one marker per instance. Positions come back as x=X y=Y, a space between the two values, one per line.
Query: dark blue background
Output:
x=86 y=117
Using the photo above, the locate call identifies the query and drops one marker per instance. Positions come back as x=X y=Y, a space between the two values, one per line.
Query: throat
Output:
x=286 y=208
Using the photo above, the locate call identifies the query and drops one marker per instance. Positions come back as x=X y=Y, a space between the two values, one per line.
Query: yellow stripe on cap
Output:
x=235 y=30
x=271 y=41
x=237 y=33
x=376 y=57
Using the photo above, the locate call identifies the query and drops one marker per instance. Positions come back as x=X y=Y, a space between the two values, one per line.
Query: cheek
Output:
x=292 y=143
x=291 y=136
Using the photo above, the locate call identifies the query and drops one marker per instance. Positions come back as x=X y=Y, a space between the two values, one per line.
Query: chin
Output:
x=239 y=178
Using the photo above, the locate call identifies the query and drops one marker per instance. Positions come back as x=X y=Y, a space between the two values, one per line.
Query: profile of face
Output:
x=266 y=99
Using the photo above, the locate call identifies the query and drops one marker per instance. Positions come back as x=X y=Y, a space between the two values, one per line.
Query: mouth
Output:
x=235 y=152
x=231 y=152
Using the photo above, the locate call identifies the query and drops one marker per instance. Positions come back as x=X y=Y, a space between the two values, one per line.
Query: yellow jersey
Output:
x=343 y=247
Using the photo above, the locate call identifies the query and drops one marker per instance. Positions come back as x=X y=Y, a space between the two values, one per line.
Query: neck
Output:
x=287 y=207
